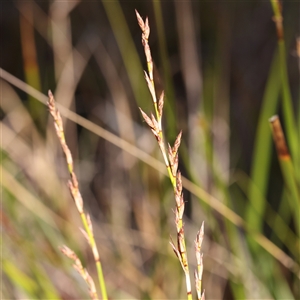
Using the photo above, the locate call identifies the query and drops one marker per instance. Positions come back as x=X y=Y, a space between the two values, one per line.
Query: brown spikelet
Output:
x=140 y=20
x=174 y=165
x=144 y=26
x=170 y=156
x=83 y=272
x=76 y=195
x=178 y=183
x=199 y=258
x=177 y=252
x=177 y=142
x=279 y=138
x=147 y=119
x=155 y=124
x=150 y=86
x=161 y=104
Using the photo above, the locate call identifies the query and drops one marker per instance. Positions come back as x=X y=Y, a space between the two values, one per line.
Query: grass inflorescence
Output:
x=213 y=73
x=76 y=195
x=171 y=161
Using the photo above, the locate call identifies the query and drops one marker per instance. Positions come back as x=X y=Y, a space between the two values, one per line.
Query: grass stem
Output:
x=171 y=161
x=76 y=195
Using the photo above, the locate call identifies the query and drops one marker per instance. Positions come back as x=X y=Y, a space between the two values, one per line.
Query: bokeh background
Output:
x=219 y=64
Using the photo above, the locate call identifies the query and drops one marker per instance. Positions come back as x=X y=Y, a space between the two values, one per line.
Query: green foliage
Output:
x=224 y=78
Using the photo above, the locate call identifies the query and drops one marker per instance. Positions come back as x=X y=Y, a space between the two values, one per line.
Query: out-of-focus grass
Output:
x=262 y=151
x=89 y=54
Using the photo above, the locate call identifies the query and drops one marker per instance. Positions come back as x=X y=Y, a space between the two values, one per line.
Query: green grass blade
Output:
x=127 y=49
x=289 y=118
x=262 y=150
x=278 y=221
x=287 y=169
x=167 y=78
x=19 y=278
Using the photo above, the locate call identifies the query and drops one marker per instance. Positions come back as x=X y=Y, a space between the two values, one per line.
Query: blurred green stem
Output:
x=262 y=150
x=164 y=59
x=127 y=49
x=94 y=249
x=289 y=118
x=286 y=168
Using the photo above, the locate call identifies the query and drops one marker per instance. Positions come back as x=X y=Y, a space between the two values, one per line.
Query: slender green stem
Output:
x=291 y=128
x=289 y=118
x=170 y=156
x=168 y=85
x=262 y=150
x=287 y=169
x=74 y=189
x=96 y=256
x=127 y=48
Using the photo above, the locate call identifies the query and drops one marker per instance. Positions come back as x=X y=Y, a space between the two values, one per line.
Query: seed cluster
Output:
x=171 y=161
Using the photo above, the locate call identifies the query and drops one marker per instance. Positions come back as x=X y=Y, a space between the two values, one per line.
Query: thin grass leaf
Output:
x=262 y=150
x=289 y=118
x=287 y=169
x=75 y=193
x=127 y=49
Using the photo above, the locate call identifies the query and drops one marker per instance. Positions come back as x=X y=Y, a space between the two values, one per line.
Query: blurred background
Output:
x=223 y=71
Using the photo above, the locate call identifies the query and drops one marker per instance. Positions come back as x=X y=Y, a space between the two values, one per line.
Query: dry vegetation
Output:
x=90 y=55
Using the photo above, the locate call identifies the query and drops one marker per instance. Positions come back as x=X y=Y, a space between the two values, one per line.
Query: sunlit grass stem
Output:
x=171 y=161
x=74 y=189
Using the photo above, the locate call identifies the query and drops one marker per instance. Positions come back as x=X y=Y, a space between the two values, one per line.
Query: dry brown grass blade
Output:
x=28 y=200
